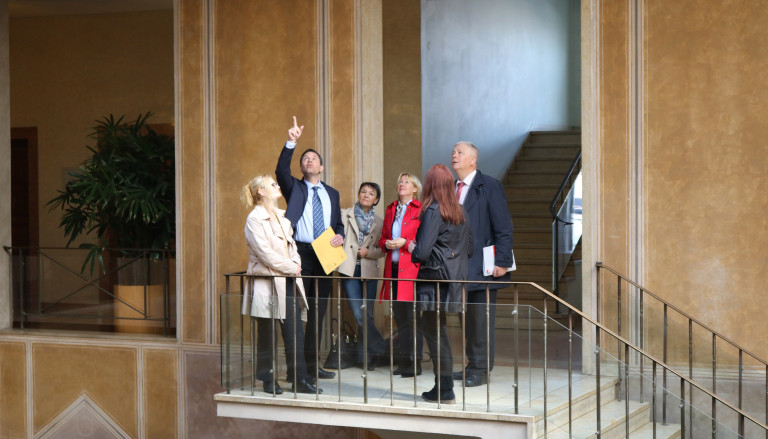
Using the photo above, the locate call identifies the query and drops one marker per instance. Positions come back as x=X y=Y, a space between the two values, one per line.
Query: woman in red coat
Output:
x=401 y=221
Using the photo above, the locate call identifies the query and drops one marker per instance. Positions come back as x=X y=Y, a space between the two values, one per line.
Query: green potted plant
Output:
x=123 y=195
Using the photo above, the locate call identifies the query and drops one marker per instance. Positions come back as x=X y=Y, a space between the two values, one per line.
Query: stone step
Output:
x=559 y=136
x=532 y=251
x=531 y=219
x=584 y=401
x=532 y=235
x=550 y=149
x=522 y=176
x=523 y=191
x=613 y=417
x=531 y=206
x=556 y=164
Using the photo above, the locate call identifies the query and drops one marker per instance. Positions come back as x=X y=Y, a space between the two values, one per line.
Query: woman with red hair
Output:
x=443 y=246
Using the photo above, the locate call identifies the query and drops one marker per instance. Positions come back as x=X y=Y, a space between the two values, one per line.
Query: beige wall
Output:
x=690 y=182
x=67 y=71
x=402 y=92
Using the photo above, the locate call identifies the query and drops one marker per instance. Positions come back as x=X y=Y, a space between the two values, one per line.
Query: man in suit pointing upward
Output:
x=312 y=207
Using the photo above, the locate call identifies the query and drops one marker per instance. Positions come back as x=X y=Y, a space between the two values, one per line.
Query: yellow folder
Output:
x=330 y=257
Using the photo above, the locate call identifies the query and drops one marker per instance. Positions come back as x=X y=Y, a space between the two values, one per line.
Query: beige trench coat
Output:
x=369 y=265
x=271 y=251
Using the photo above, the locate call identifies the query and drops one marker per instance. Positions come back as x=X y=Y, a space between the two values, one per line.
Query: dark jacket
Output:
x=296 y=193
x=442 y=249
x=486 y=207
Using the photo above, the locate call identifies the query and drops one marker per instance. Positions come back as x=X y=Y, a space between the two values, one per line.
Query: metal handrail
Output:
x=600 y=329
x=41 y=253
x=556 y=219
x=691 y=321
x=683 y=313
x=560 y=189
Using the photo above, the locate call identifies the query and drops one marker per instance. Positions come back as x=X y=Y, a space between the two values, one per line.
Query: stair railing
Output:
x=562 y=249
x=602 y=353
x=647 y=302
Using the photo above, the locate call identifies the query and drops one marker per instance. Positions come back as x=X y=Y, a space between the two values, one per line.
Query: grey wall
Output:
x=492 y=70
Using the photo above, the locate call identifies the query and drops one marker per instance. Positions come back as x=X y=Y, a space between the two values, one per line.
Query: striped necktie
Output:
x=317 y=214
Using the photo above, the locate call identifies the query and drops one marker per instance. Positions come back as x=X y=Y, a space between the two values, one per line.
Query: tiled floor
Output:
x=383 y=389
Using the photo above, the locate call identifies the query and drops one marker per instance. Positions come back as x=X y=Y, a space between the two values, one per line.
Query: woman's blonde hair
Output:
x=251 y=197
x=414 y=180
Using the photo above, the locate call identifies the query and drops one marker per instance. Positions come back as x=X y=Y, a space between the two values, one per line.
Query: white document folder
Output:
x=489 y=258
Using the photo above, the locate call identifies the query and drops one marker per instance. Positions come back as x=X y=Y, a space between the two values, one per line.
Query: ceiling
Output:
x=37 y=8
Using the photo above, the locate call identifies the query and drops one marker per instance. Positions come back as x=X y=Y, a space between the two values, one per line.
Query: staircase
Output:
x=613 y=414
x=530 y=184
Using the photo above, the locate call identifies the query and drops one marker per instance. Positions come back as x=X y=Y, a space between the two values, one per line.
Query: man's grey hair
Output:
x=469 y=144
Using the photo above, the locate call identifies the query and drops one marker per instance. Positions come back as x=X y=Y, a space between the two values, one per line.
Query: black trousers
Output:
x=292 y=329
x=402 y=312
x=319 y=289
x=479 y=344
x=430 y=328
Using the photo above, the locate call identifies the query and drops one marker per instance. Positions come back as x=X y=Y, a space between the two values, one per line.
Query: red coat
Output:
x=408 y=269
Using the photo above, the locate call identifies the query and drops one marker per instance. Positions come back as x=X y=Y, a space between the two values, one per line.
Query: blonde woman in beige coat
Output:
x=362 y=230
x=272 y=252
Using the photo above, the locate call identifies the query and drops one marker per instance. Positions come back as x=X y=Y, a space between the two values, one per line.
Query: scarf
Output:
x=364 y=222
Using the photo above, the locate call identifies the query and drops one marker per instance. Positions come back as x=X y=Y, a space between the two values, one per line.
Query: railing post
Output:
x=365 y=343
x=570 y=373
x=488 y=346
x=253 y=352
x=464 y=348
x=642 y=346
x=225 y=332
x=273 y=335
x=618 y=342
x=415 y=354
x=391 y=350
x=338 y=351
x=545 y=365
x=439 y=375
x=682 y=407
x=242 y=334
x=653 y=397
x=296 y=317
x=166 y=314
x=664 y=372
x=741 y=381
x=714 y=381
x=626 y=389
x=598 y=433
x=516 y=345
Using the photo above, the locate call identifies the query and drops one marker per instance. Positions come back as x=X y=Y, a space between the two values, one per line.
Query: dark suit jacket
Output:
x=486 y=206
x=296 y=193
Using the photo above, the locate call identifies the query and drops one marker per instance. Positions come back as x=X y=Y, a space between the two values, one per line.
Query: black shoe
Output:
x=305 y=387
x=371 y=365
x=458 y=376
x=310 y=379
x=408 y=372
x=321 y=373
x=268 y=388
x=475 y=380
x=446 y=396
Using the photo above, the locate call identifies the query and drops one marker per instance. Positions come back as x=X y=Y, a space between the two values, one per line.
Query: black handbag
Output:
x=347 y=341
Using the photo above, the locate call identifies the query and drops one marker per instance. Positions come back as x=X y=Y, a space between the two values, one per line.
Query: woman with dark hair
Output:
x=443 y=246
x=401 y=222
x=362 y=230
